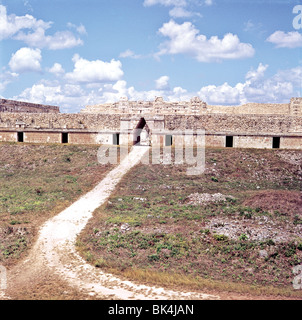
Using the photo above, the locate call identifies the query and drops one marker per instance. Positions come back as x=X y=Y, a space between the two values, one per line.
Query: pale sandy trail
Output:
x=55 y=250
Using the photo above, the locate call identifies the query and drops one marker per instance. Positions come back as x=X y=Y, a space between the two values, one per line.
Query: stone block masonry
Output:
x=254 y=129
x=19 y=106
x=212 y=123
x=194 y=106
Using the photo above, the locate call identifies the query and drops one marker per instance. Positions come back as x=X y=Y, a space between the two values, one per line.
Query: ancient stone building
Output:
x=252 y=125
x=17 y=106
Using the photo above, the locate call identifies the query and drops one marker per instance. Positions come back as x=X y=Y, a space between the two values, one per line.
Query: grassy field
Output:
x=37 y=182
x=248 y=240
x=162 y=226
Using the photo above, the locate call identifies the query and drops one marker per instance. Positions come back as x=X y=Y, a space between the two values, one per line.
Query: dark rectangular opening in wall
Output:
x=229 y=141
x=276 y=142
x=20 y=136
x=169 y=140
x=65 y=137
x=116 y=139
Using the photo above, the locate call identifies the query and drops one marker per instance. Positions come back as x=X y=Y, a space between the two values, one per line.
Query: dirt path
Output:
x=54 y=268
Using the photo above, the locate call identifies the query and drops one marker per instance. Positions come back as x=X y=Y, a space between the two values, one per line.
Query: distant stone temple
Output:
x=252 y=125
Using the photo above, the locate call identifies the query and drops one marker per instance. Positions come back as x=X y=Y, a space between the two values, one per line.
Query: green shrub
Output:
x=101 y=263
x=290 y=250
x=297 y=220
x=153 y=257
x=270 y=242
x=13 y=222
x=220 y=237
x=243 y=236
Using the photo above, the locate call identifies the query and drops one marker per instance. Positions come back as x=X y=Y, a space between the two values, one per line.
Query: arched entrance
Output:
x=141 y=134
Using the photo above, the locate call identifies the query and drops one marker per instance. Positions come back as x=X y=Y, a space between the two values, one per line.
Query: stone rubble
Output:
x=203 y=198
x=256 y=229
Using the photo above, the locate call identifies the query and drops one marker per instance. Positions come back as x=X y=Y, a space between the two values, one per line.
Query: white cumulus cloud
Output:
x=185 y=39
x=162 y=83
x=278 y=88
x=180 y=12
x=80 y=29
x=26 y=60
x=96 y=71
x=223 y=94
x=255 y=87
x=12 y=24
x=179 y=9
x=60 y=40
x=129 y=54
x=57 y=69
x=166 y=3
x=6 y=77
x=282 y=39
x=255 y=75
x=32 y=31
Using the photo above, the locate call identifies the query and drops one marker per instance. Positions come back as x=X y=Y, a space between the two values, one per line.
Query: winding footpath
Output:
x=55 y=253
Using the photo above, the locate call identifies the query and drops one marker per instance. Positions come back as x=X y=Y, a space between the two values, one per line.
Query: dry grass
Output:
x=37 y=182
x=167 y=242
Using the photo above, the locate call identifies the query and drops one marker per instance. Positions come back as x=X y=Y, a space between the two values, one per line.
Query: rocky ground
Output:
x=221 y=233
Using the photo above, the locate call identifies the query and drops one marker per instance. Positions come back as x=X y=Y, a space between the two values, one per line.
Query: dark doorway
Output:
x=169 y=141
x=20 y=137
x=276 y=142
x=141 y=124
x=116 y=139
x=64 y=137
x=229 y=141
x=138 y=130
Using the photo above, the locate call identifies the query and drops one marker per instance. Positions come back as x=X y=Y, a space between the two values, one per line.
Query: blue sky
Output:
x=73 y=53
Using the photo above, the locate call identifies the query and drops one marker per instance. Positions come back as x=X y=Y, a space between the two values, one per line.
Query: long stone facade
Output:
x=18 y=106
x=158 y=122
x=194 y=106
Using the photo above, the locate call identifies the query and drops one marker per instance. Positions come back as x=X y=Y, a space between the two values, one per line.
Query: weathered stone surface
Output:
x=195 y=106
x=250 y=125
x=19 y=106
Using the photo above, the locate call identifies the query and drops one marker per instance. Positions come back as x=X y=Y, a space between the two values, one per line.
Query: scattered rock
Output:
x=141 y=199
x=125 y=227
x=291 y=157
x=202 y=198
x=263 y=254
x=256 y=229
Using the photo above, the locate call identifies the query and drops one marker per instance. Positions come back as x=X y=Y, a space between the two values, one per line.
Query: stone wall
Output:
x=236 y=124
x=253 y=108
x=212 y=123
x=296 y=107
x=158 y=106
x=260 y=142
x=195 y=106
x=8 y=136
x=291 y=143
x=248 y=130
x=18 y=106
x=59 y=121
x=42 y=137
